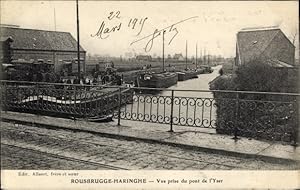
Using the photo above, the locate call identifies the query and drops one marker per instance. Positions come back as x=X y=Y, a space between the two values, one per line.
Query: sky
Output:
x=107 y=27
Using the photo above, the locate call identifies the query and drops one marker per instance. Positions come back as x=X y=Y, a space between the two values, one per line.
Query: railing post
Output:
x=236 y=116
x=5 y=99
x=119 y=106
x=75 y=99
x=171 y=116
x=38 y=99
x=296 y=130
x=85 y=99
x=3 y=96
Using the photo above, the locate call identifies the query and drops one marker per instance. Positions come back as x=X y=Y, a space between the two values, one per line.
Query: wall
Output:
x=280 y=48
x=55 y=57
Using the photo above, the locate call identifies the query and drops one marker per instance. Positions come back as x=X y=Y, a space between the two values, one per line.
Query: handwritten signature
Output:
x=104 y=31
x=169 y=29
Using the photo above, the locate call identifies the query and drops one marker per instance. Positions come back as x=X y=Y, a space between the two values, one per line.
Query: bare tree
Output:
x=294 y=34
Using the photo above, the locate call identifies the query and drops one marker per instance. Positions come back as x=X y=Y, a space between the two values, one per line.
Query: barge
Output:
x=185 y=75
x=157 y=80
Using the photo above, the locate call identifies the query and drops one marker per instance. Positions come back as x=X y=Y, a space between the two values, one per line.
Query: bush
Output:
x=221 y=72
x=259 y=76
x=261 y=116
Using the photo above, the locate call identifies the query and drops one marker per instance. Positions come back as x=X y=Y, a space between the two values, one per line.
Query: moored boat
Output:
x=189 y=74
x=157 y=80
x=207 y=69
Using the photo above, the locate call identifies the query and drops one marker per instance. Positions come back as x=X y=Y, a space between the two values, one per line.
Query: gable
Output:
x=281 y=49
x=40 y=39
x=251 y=44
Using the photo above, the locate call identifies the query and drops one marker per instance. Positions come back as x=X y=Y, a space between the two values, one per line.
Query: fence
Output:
x=272 y=116
x=68 y=100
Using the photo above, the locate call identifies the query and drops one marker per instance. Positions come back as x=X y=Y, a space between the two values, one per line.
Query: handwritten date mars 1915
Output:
x=106 y=29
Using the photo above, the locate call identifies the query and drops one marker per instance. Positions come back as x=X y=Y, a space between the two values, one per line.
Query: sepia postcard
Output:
x=149 y=94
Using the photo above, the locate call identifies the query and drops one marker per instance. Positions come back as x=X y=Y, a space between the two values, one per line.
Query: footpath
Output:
x=185 y=137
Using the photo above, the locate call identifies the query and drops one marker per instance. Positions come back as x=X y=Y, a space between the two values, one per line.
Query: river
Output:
x=190 y=108
x=200 y=83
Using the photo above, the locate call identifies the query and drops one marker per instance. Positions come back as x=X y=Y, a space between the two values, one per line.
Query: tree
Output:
x=6 y=50
x=293 y=35
x=221 y=72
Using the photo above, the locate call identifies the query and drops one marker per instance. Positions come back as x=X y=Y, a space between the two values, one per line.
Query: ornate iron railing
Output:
x=272 y=116
x=69 y=100
x=157 y=108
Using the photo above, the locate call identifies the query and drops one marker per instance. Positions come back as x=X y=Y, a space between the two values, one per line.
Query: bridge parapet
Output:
x=260 y=115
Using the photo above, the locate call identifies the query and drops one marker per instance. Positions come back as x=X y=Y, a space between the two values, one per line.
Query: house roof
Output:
x=251 y=43
x=178 y=55
x=40 y=39
x=143 y=56
x=259 y=28
x=3 y=39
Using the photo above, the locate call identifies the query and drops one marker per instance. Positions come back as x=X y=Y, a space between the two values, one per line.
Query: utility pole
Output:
x=54 y=19
x=78 y=44
x=163 y=54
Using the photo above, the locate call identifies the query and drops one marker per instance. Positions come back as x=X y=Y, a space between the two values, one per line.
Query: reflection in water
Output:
x=190 y=108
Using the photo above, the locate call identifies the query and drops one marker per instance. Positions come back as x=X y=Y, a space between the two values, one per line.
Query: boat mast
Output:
x=186 y=55
x=208 y=58
x=78 y=46
x=204 y=58
x=196 y=54
x=201 y=58
x=163 y=52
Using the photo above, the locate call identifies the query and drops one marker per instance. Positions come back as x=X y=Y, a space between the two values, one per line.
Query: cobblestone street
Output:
x=22 y=158
x=29 y=147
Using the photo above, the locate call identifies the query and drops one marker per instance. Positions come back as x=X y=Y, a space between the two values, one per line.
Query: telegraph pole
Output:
x=163 y=54
x=54 y=20
x=78 y=44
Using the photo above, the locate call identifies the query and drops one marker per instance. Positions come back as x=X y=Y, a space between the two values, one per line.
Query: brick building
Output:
x=271 y=46
x=33 y=45
x=267 y=43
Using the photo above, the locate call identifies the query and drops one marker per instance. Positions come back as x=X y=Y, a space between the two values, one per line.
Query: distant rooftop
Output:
x=259 y=28
x=10 y=25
